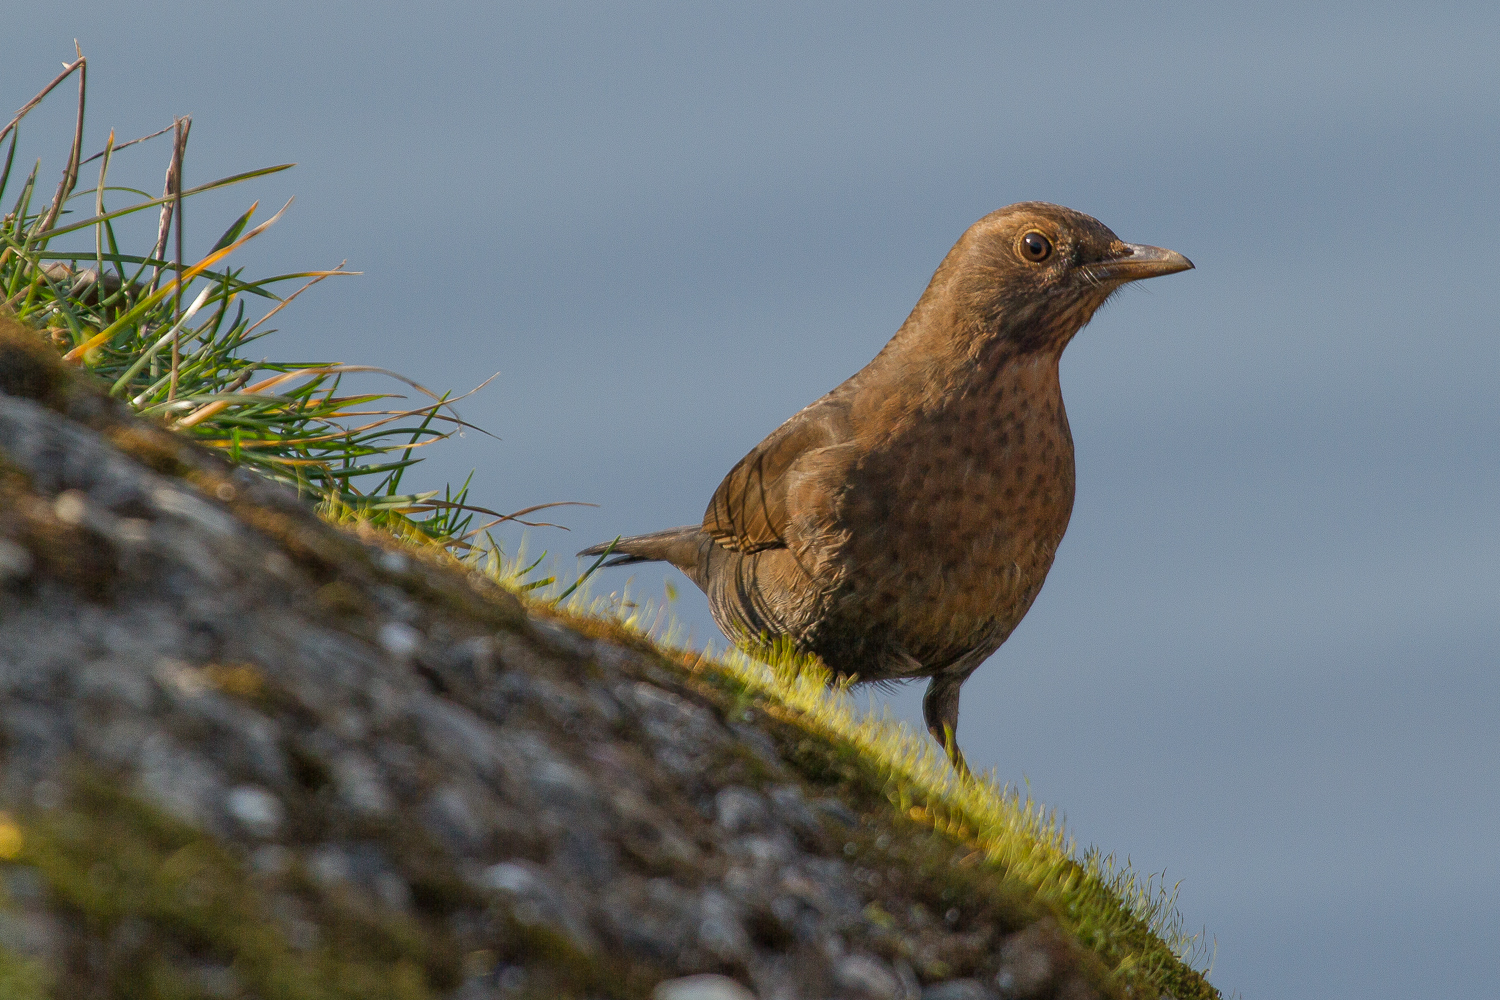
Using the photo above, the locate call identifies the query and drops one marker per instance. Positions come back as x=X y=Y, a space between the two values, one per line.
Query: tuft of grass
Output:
x=171 y=337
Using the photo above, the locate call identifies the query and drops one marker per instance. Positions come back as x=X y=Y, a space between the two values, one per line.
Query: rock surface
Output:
x=246 y=754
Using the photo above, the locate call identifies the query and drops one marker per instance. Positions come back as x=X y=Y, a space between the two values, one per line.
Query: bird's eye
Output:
x=1035 y=247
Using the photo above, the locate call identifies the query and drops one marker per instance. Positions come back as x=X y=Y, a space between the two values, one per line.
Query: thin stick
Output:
x=168 y=201
x=70 y=175
x=179 y=148
x=26 y=109
x=109 y=146
x=132 y=142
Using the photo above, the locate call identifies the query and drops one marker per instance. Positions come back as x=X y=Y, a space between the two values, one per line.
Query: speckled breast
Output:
x=952 y=523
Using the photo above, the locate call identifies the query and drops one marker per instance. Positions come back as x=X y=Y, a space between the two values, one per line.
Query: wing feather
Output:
x=750 y=509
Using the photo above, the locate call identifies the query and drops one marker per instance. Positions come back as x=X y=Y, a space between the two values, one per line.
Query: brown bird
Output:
x=901 y=525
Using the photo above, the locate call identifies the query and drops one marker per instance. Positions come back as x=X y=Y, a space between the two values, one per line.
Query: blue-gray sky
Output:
x=1266 y=657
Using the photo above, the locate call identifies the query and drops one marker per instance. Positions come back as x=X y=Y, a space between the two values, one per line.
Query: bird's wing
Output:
x=750 y=510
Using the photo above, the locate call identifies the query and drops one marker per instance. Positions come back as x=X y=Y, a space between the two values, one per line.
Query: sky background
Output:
x=1266 y=657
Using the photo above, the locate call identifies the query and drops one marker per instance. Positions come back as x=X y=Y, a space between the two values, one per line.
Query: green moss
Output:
x=22 y=978
x=167 y=897
x=559 y=971
x=162 y=899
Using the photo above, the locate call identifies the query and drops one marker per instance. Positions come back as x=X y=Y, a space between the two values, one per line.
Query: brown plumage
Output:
x=902 y=525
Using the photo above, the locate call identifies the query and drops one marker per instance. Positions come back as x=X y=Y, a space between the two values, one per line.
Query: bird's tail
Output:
x=682 y=547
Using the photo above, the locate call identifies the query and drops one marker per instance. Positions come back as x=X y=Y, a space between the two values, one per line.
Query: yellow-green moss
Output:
x=22 y=978
x=112 y=862
x=118 y=870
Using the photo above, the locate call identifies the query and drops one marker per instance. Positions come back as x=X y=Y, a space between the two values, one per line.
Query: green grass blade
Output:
x=154 y=202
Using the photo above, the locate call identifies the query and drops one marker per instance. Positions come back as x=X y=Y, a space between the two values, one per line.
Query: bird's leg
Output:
x=955 y=755
x=940 y=711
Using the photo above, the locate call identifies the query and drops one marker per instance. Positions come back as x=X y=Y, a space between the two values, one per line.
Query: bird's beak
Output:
x=1135 y=261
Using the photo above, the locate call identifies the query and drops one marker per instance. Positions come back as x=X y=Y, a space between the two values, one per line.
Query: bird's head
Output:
x=1033 y=274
